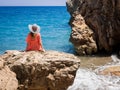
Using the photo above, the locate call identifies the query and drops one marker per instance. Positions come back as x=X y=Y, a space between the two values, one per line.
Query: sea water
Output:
x=55 y=33
x=53 y=20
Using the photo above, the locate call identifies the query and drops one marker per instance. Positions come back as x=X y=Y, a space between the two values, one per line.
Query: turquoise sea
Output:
x=53 y=20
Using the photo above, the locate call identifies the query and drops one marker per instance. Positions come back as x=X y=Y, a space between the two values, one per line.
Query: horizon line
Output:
x=30 y=5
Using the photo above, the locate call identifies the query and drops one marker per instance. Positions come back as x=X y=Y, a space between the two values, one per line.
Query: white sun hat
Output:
x=31 y=30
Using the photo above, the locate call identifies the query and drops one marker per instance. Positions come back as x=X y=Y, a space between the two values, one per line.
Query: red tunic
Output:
x=34 y=43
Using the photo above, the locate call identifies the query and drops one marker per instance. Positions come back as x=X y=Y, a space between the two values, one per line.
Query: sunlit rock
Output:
x=50 y=70
x=8 y=79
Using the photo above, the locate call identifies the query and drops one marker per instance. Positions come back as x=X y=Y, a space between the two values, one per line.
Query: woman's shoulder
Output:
x=38 y=34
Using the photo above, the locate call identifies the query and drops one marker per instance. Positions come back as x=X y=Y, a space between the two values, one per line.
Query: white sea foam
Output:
x=114 y=58
x=92 y=80
x=89 y=80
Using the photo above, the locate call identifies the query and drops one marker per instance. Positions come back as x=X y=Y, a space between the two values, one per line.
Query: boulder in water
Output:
x=111 y=70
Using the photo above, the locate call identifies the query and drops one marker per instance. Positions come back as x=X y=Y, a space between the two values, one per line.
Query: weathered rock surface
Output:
x=103 y=18
x=50 y=70
x=8 y=79
x=82 y=36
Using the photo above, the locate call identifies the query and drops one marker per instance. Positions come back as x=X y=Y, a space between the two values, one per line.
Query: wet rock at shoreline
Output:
x=50 y=70
x=111 y=70
x=103 y=18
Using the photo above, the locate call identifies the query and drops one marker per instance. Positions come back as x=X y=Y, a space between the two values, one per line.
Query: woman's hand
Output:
x=43 y=50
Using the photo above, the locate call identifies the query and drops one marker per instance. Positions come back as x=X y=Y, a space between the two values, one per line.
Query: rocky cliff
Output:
x=101 y=26
x=50 y=70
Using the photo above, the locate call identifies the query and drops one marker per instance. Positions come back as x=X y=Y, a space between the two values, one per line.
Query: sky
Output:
x=32 y=2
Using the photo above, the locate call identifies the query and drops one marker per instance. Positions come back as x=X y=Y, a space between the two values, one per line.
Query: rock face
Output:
x=103 y=19
x=48 y=70
x=82 y=36
x=8 y=79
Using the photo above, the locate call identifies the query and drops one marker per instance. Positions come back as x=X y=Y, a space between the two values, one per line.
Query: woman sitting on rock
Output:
x=34 y=42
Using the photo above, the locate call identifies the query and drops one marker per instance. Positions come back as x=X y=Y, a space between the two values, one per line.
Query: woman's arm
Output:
x=40 y=42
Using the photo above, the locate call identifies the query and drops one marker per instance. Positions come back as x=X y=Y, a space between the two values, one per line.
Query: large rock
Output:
x=50 y=70
x=103 y=18
x=8 y=79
